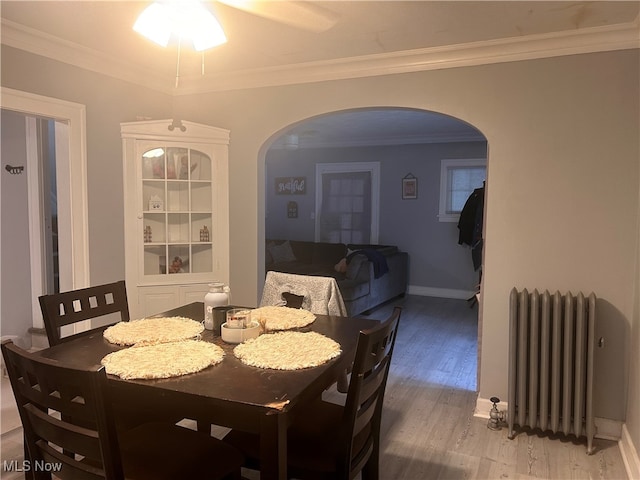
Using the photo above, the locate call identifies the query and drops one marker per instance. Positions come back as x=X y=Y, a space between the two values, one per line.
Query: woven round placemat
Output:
x=149 y=331
x=163 y=360
x=287 y=350
x=282 y=318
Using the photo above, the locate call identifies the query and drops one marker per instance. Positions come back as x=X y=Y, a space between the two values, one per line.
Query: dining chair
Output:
x=107 y=302
x=331 y=441
x=69 y=429
x=319 y=295
x=67 y=308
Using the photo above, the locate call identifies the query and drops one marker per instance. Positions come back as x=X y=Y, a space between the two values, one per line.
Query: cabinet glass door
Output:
x=177 y=211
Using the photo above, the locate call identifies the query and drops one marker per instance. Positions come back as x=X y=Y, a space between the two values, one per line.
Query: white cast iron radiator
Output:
x=551 y=350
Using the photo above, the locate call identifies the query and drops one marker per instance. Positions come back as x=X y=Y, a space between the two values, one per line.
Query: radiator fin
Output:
x=551 y=349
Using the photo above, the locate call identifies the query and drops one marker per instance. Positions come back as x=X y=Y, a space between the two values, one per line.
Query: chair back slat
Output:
x=361 y=457
x=67 y=308
x=67 y=467
x=80 y=440
x=39 y=393
x=66 y=415
x=363 y=406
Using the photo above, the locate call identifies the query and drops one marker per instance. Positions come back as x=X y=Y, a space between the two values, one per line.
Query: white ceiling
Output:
x=368 y=38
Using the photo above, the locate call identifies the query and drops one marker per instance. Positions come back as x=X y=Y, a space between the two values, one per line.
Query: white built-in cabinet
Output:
x=176 y=203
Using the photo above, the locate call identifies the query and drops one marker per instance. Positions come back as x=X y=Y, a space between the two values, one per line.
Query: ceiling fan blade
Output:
x=299 y=14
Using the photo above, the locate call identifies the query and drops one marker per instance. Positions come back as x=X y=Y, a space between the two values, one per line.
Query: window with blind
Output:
x=458 y=179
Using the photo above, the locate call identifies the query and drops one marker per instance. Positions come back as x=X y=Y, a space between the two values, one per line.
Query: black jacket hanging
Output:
x=470 y=225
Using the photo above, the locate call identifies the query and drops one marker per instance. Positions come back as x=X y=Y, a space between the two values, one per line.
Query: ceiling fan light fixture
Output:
x=183 y=18
x=155 y=24
x=205 y=30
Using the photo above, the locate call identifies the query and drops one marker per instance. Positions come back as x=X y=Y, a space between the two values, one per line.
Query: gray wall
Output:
x=16 y=282
x=436 y=260
x=562 y=186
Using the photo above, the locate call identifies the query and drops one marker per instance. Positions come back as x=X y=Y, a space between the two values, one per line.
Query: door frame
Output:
x=72 y=181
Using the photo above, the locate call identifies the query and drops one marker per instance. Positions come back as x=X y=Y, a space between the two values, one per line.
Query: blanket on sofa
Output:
x=378 y=260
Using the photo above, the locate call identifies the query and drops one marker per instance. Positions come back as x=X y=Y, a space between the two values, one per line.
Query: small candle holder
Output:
x=239 y=326
x=238 y=318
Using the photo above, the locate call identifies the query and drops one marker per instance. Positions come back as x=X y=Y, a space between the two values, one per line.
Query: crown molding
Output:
x=40 y=43
x=589 y=40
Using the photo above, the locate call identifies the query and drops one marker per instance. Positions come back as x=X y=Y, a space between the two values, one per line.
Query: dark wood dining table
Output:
x=230 y=394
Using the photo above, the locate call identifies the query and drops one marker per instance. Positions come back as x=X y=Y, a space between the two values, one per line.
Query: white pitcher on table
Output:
x=217 y=296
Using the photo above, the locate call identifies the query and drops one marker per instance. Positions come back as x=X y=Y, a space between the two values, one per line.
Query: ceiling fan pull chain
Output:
x=202 y=72
x=178 y=61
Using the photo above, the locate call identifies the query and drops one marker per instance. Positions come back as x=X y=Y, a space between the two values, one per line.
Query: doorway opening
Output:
x=29 y=217
x=60 y=124
x=407 y=143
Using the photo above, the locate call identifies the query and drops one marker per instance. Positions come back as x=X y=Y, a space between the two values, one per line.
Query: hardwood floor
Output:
x=429 y=431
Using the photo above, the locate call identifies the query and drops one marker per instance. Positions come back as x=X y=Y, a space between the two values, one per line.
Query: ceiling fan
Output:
x=192 y=19
x=164 y=19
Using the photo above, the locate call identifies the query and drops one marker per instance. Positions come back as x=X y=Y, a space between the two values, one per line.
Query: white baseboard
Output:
x=440 y=292
x=629 y=454
x=605 y=428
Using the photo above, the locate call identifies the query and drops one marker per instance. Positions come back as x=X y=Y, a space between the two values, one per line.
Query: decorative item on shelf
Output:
x=156 y=203
x=409 y=187
x=204 y=234
x=184 y=172
x=147 y=234
x=176 y=265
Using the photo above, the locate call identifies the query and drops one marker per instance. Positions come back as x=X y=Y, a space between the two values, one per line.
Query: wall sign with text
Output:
x=291 y=185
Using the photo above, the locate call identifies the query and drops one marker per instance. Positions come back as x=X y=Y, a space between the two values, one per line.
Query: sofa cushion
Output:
x=328 y=253
x=303 y=250
x=353 y=267
x=377 y=259
x=282 y=252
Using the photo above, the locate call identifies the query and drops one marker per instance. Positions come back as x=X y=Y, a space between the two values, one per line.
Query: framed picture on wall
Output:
x=409 y=187
x=291 y=185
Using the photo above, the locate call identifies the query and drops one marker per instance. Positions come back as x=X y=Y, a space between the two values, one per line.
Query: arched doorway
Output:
x=408 y=144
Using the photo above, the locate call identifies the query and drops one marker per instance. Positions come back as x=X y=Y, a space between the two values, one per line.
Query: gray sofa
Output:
x=374 y=274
